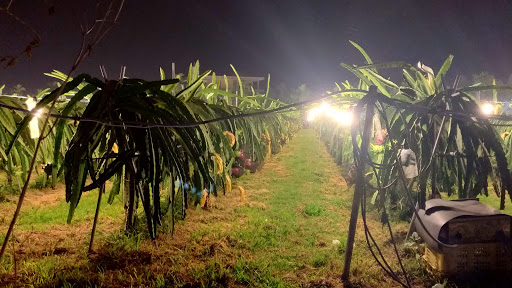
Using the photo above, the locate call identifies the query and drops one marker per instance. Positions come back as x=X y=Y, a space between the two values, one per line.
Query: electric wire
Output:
x=360 y=160
x=369 y=237
x=145 y=125
x=367 y=231
x=384 y=265
x=399 y=105
x=379 y=185
x=406 y=188
x=366 y=158
x=381 y=189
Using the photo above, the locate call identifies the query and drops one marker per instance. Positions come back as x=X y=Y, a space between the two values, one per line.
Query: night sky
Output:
x=296 y=41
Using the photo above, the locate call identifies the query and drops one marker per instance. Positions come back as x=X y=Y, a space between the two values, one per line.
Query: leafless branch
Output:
x=9 y=5
x=11 y=60
x=118 y=11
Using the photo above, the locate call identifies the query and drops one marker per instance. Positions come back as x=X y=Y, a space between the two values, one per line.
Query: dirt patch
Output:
x=278 y=168
x=46 y=196
x=173 y=257
x=60 y=239
x=260 y=205
x=338 y=181
x=281 y=171
x=34 y=197
x=108 y=261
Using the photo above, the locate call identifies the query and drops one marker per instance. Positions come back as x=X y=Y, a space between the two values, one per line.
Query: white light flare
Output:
x=33 y=125
x=319 y=110
x=343 y=117
x=487 y=109
x=312 y=114
x=38 y=113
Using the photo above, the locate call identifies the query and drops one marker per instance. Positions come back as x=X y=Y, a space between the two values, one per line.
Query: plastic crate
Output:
x=470 y=258
x=470 y=230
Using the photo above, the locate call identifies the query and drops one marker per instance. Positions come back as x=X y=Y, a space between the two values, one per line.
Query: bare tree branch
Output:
x=9 y=5
x=10 y=59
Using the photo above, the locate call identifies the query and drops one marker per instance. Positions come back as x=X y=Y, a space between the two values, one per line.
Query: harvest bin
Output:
x=478 y=236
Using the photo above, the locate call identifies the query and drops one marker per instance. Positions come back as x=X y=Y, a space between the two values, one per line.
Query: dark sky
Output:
x=296 y=41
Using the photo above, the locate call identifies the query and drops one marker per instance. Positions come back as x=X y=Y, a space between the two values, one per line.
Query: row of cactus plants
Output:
x=459 y=151
x=146 y=137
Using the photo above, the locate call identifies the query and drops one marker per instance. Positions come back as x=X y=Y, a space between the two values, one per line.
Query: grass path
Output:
x=285 y=235
x=306 y=200
x=308 y=210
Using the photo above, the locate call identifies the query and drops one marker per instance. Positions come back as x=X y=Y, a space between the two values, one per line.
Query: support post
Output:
x=411 y=225
x=101 y=190
x=360 y=182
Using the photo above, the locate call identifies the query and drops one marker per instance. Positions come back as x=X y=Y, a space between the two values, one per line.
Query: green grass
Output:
x=302 y=220
x=313 y=210
x=255 y=273
x=40 y=218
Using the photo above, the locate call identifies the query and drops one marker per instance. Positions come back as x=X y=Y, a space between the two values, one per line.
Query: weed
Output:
x=40 y=182
x=101 y=275
x=199 y=234
x=342 y=203
x=159 y=282
x=121 y=242
x=40 y=272
x=413 y=246
x=7 y=262
x=313 y=210
x=68 y=285
x=213 y=275
x=309 y=240
x=320 y=260
x=239 y=271
x=6 y=190
x=121 y=276
x=343 y=244
x=255 y=274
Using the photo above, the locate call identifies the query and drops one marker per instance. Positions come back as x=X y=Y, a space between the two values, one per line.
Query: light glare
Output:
x=343 y=117
x=487 y=109
x=33 y=124
x=37 y=113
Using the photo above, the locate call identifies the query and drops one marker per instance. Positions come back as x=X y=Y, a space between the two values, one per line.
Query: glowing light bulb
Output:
x=343 y=117
x=487 y=109
x=33 y=125
x=311 y=116
x=38 y=113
